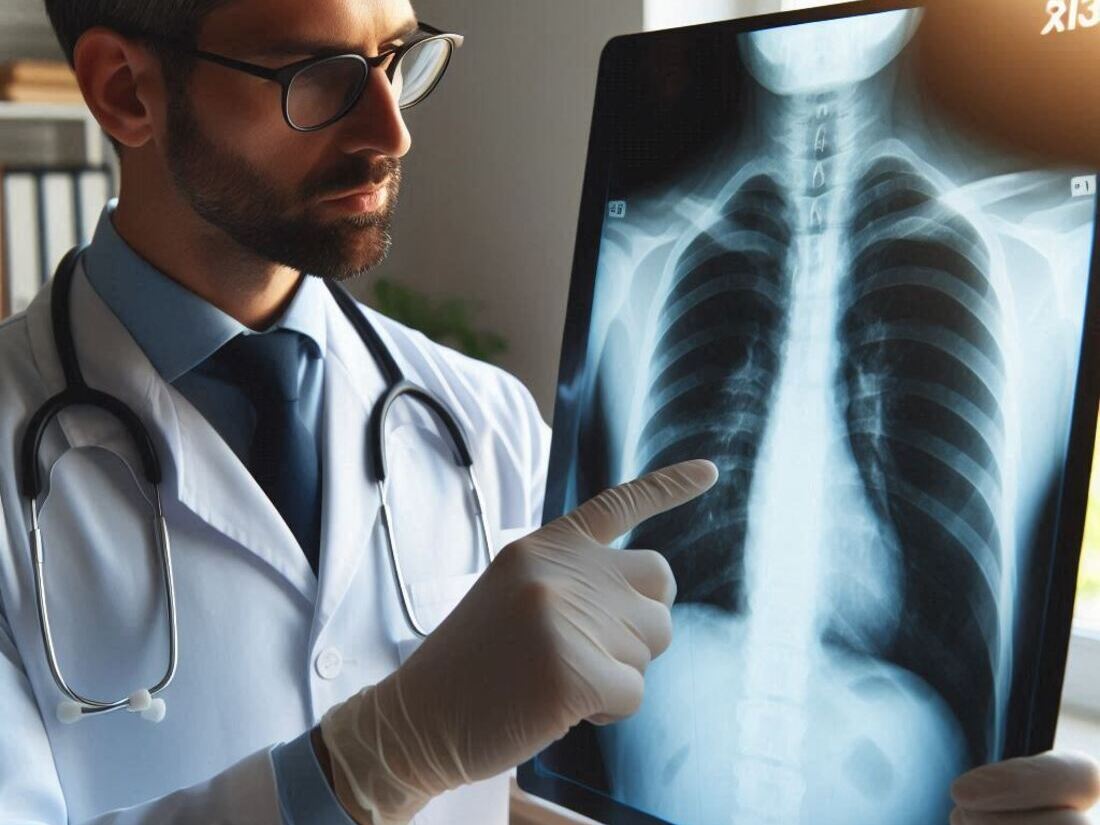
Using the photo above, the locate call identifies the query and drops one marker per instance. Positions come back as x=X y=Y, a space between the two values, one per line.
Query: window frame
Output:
x=1081 y=688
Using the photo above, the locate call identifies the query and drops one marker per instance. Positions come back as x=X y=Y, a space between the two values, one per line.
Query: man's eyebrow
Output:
x=298 y=45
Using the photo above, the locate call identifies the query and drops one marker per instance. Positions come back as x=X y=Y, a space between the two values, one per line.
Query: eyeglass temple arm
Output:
x=432 y=31
x=251 y=68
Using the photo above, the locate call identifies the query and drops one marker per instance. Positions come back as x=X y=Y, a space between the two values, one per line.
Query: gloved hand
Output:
x=559 y=628
x=1048 y=789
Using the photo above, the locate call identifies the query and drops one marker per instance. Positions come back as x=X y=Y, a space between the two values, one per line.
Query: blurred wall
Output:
x=25 y=31
x=667 y=14
x=491 y=188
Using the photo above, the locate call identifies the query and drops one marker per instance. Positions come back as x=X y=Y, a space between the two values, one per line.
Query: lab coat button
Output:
x=329 y=662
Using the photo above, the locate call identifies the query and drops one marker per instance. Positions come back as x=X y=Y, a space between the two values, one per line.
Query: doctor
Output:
x=301 y=693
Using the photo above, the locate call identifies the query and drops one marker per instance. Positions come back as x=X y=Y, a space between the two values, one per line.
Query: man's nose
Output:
x=375 y=122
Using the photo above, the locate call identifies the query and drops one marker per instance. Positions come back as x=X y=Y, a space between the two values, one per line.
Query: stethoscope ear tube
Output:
x=82 y=396
x=399 y=388
x=77 y=393
x=463 y=458
x=76 y=706
x=381 y=412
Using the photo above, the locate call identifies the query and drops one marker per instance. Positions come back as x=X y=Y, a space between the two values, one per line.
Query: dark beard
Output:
x=226 y=192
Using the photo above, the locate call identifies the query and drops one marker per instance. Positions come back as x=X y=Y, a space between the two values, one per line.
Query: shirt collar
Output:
x=175 y=328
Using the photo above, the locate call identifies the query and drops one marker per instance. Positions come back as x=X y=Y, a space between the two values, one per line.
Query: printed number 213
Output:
x=1067 y=15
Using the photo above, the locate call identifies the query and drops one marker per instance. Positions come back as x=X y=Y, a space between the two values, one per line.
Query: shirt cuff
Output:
x=305 y=796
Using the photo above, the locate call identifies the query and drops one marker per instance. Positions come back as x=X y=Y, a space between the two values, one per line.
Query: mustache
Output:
x=387 y=168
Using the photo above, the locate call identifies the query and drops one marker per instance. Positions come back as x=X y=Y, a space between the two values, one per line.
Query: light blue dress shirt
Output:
x=178 y=331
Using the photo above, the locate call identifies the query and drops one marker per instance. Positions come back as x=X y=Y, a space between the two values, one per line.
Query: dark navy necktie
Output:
x=282 y=456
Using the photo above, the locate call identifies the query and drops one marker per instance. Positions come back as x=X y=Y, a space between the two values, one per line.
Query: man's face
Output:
x=245 y=171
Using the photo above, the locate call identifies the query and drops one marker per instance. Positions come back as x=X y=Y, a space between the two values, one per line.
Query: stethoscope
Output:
x=78 y=393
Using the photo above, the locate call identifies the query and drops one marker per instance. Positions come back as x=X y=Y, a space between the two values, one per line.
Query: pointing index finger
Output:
x=620 y=509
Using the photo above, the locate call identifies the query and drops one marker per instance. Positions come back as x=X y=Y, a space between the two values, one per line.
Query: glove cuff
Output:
x=380 y=756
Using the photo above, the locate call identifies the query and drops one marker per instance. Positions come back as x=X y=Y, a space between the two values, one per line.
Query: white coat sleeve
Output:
x=540 y=460
x=31 y=792
x=537 y=434
x=29 y=789
x=531 y=436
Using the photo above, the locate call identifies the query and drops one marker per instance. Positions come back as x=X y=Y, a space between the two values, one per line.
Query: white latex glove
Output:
x=559 y=628
x=1048 y=789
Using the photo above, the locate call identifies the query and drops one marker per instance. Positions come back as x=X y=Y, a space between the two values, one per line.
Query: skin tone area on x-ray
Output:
x=1046 y=52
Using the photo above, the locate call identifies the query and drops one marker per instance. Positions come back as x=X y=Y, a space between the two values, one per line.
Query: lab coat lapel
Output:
x=199 y=469
x=350 y=514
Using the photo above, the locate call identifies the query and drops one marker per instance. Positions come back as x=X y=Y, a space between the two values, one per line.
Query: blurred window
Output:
x=1087 y=614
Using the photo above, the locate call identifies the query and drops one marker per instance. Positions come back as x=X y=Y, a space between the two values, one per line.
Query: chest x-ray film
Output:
x=876 y=327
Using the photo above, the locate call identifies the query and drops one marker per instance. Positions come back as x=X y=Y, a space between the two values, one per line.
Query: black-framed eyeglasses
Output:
x=320 y=90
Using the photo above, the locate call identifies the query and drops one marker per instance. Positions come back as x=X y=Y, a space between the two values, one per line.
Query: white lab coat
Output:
x=264 y=649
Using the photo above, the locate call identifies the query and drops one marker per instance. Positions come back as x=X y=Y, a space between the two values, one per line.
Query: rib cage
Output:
x=920 y=378
x=715 y=366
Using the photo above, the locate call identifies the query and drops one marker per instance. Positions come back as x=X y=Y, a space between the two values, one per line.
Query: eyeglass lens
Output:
x=327 y=89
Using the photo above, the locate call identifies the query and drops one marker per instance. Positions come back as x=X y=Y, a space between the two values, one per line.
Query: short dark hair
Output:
x=147 y=20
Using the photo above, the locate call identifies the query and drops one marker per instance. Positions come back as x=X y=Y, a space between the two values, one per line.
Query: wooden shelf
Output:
x=20 y=110
x=76 y=112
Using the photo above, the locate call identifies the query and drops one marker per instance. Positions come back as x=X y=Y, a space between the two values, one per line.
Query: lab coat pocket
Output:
x=506 y=536
x=434 y=599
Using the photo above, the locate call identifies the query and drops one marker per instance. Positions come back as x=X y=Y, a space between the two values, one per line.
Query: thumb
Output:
x=620 y=509
x=1049 y=780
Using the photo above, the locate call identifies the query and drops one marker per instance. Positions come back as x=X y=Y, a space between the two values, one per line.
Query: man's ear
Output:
x=122 y=84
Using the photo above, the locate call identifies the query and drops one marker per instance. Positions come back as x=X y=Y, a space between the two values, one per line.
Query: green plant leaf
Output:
x=446 y=321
